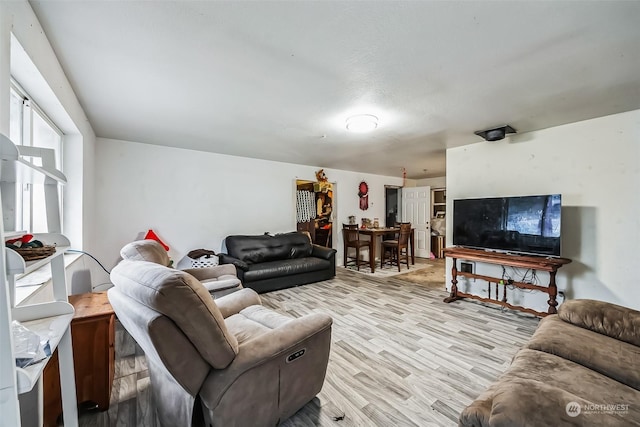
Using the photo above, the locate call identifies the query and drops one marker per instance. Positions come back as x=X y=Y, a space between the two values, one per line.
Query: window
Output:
x=29 y=126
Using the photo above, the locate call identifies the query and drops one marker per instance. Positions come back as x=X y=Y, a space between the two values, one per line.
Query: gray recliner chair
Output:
x=243 y=363
x=219 y=280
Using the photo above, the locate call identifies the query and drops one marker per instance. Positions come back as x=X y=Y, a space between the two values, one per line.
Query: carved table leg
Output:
x=504 y=293
x=454 y=283
x=553 y=292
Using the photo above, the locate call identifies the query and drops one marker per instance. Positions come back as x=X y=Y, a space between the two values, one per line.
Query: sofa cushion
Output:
x=604 y=318
x=158 y=287
x=254 y=321
x=589 y=349
x=145 y=250
x=258 y=249
x=537 y=388
x=267 y=270
x=299 y=243
x=238 y=263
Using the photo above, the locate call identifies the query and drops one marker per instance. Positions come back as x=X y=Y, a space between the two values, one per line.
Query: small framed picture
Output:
x=440 y=214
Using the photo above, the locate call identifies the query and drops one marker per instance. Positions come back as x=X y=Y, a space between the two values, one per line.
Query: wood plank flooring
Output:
x=399 y=355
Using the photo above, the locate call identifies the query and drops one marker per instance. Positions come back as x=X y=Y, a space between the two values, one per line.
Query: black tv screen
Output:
x=526 y=224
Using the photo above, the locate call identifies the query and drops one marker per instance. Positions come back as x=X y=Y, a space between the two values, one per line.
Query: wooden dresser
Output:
x=92 y=335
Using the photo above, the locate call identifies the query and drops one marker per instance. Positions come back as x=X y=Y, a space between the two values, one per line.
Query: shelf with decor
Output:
x=17 y=266
x=438 y=202
x=438 y=226
x=49 y=319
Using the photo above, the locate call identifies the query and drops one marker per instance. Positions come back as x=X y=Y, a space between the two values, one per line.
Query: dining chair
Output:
x=392 y=235
x=397 y=248
x=351 y=239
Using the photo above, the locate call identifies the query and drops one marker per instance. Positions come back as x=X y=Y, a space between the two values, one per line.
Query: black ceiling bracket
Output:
x=495 y=134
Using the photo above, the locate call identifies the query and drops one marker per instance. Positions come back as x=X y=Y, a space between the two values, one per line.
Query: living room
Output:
x=194 y=198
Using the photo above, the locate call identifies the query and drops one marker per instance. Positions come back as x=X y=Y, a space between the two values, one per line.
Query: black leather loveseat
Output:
x=267 y=263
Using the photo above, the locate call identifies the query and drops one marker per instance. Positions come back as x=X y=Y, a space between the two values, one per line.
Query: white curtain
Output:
x=305 y=206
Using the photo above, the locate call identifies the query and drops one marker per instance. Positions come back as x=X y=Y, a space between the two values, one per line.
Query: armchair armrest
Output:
x=234 y=303
x=322 y=252
x=228 y=259
x=212 y=272
x=264 y=349
x=605 y=318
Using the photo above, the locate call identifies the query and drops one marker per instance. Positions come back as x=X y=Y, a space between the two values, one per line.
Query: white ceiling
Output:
x=277 y=79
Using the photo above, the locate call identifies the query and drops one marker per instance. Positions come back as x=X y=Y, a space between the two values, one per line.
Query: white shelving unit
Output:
x=438 y=202
x=51 y=319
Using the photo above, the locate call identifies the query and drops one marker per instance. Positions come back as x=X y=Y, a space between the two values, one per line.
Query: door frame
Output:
x=334 y=208
x=398 y=201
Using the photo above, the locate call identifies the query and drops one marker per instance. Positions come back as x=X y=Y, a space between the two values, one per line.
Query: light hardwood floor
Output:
x=399 y=355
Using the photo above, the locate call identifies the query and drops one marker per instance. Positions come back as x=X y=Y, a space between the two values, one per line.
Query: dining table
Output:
x=375 y=233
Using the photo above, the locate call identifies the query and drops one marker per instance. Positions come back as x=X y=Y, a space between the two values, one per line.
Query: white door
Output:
x=416 y=202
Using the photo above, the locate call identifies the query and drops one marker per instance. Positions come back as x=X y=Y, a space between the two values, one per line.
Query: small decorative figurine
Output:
x=321 y=176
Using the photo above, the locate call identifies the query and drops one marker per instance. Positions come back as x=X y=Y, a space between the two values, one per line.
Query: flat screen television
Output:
x=525 y=224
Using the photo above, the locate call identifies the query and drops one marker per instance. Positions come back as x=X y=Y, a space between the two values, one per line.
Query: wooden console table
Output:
x=550 y=265
x=92 y=336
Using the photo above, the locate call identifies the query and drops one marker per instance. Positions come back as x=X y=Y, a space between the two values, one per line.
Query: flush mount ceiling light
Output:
x=362 y=123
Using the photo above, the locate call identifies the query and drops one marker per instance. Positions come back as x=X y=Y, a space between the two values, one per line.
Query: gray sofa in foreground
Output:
x=218 y=363
x=580 y=368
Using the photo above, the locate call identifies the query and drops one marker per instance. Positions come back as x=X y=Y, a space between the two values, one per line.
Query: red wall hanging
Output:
x=363 y=193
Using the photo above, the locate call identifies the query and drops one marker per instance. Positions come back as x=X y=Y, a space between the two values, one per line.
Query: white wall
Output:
x=195 y=199
x=595 y=165
x=437 y=182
